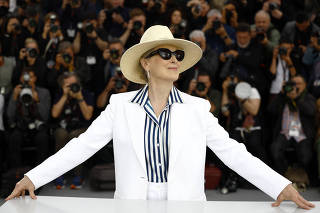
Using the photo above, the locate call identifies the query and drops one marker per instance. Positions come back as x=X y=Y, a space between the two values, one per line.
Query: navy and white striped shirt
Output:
x=156 y=135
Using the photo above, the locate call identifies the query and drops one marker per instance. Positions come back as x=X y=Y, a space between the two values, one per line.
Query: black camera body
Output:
x=119 y=81
x=137 y=25
x=200 y=86
x=89 y=28
x=197 y=8
x=53 y=28
x=273 y=6
x=216 y=24
x=67 y=58
x=75 y=87
x=114 y=54
x=32 y=52
x=283 y=51
x=260 y=34
x=289 y=86
x=157 y=4
x=32 y=22
x=227 y=67
x=17 y=28
x=180 y=29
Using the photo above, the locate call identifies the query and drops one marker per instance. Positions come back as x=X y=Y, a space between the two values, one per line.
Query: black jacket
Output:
x=306 y=104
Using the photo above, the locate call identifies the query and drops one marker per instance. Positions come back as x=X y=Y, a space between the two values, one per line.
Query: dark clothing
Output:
x=19 y=140
x=71 y=117
x=216 y=43
x=307 y=110
x=279 y=147
x=115 y=29
x=12 y=45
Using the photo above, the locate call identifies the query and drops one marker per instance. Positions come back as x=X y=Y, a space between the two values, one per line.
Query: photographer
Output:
x=209 y=62
x=117 y=18
x=28 y=113
x=65 y=61
x=311 y=58
x=280 y=12
x=293 y=111
x=90 y=42
x=201 y=87
x=32 y=23
x=177 y=25
x=29 y=57
x=241 y=105
x=229 y=14
x=248 y=59
x=264 y=31
x=110 y=80
x=108 y=66
x=135 y=28
x=299 y=33
x=282 y=67
x=219 y=36
x=12 y=38
x=73 y=109
x=72 y=12
x=51 y=37
x=156 y=10
x=197 y=13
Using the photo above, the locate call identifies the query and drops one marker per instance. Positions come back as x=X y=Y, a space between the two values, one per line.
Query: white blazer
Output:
x=193 y=128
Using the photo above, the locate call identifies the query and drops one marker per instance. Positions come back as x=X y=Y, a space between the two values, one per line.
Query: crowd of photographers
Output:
x=260 y=70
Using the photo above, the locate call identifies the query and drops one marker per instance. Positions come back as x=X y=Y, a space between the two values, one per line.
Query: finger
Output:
x=32 y=195
x=306 y=202
x=301 y=204
x=278 y=201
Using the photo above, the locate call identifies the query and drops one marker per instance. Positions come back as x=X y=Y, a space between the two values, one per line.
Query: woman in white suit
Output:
x=160 y=134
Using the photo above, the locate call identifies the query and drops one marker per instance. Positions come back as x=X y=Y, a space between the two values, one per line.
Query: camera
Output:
x=67 y=58
x=26 y=92
x=157 y=4
x=283 y=51
x=137 y=25
x=32 y=52
x=75 y=87
x=114 y=53
x=216 y=24
x=32 y=22
x=180 y=29
x=197 y=8
x=232 y=87
x=37 y=124
x=227 y=67
x=119 y=81
x=53 y=18
x=200 y=86
x=273 y=6
x=289 y=86
x=89 y=28
x=260 y=34
x=53 y=28
x=17 y=27
x=75 y=2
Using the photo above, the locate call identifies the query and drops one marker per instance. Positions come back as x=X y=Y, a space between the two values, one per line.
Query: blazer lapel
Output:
x=136 y=118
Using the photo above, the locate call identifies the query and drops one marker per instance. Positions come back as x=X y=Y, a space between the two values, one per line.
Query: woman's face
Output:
x=176 y=17
x=11 y=25
x=161 y=69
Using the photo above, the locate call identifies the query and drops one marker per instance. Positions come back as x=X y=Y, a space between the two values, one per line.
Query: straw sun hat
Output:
x=153 y=37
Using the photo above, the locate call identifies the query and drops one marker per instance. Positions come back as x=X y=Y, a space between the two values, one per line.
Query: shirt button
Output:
x=158 y=144
x=159 y=164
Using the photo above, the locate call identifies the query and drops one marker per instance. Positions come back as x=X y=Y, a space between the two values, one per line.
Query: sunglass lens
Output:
x=165 y=54
x=179 y=55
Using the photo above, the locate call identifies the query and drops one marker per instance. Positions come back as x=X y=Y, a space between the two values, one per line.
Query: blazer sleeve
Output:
x=76 y=150
x=237 y=158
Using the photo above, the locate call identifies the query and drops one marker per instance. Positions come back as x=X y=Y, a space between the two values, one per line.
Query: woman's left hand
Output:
x=290 y=193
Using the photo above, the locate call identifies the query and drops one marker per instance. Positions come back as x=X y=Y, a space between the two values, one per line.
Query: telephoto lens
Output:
x=75 y=87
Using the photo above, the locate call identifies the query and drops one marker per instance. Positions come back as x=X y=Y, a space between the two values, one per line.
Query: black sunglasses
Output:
x=166 y=54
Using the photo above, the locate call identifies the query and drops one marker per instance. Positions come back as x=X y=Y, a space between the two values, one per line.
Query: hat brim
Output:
x=130 y=60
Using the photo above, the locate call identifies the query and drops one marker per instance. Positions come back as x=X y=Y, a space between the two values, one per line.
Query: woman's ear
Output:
x=144 y=63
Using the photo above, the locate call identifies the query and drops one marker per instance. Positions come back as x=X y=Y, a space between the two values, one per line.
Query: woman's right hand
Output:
x=21 y=187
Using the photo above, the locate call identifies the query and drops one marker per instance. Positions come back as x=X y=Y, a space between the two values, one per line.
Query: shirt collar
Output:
x=142 y=97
